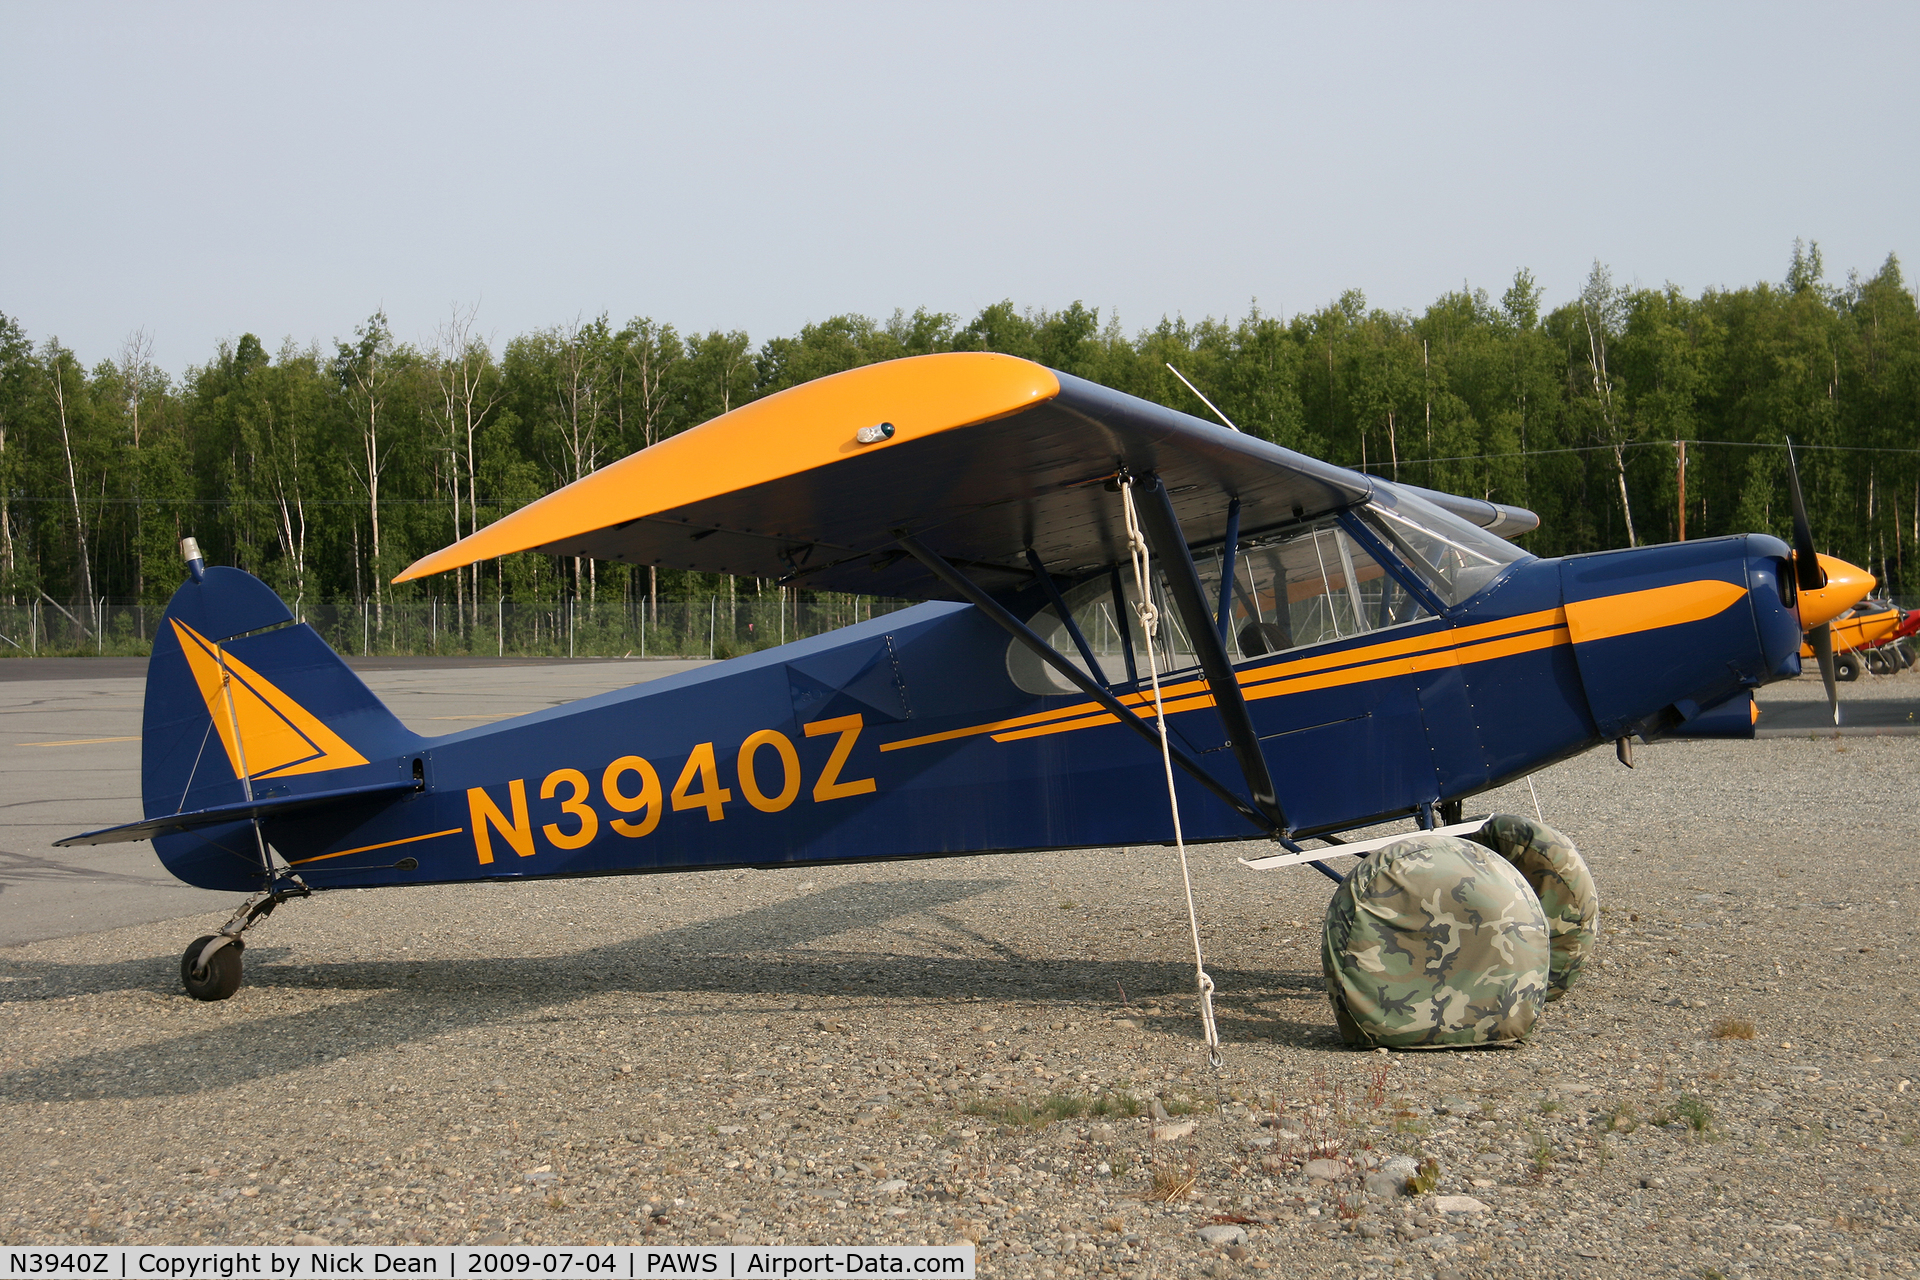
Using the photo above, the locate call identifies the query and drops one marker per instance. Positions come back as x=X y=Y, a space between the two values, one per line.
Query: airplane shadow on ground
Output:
x=17 y=869
x=753 y=953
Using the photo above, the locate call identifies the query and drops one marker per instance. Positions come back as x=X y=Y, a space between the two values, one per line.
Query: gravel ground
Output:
x=875 y=1054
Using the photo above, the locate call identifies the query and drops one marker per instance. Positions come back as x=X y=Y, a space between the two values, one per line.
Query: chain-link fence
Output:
x=700 y=627
x=705 y=626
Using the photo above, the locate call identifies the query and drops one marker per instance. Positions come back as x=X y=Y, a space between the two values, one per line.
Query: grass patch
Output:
x=1426 y=1178
x=1022 y=1114
x=1178 y=1106
x=1540 y=1151
x=1115 y=1104
x=1622 y=1118
x=1694 y=1110
x=1732 y=1029
x=1171 y=1184
x=1548 y=1107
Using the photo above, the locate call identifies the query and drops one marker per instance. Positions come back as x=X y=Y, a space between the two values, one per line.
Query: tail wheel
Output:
x=1846 y=666
x=220 y=978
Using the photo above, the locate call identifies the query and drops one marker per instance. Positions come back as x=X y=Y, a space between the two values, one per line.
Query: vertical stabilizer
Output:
x=236 y=689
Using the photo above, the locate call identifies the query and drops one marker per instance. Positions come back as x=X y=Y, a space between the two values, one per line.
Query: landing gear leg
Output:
x=1451 y=812
x=210 y=969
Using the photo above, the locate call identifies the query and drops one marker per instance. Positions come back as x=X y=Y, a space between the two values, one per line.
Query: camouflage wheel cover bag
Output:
x=1563 y=884
x=1433 y=942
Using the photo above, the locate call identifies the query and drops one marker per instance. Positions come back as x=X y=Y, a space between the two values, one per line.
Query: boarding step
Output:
x=1358 y=848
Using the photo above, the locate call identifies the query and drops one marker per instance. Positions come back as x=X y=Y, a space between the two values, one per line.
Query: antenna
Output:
x=1203 y=399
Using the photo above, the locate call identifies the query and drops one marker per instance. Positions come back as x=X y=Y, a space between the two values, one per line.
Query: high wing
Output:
x=988 y=455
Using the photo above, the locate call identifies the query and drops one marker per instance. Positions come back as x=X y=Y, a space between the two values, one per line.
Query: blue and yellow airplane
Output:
x=1339 y=651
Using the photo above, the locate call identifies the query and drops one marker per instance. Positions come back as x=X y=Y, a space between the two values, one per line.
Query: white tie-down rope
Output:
x=1149 y=624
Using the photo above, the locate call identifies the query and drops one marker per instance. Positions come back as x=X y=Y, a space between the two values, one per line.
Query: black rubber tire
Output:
x=222 y=976
x=1904 y=652
x=1878 y=663
x=1846 y=666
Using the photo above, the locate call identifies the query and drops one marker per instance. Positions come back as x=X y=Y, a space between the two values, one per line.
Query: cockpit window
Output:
x=1455 y=557
x=1312 y=584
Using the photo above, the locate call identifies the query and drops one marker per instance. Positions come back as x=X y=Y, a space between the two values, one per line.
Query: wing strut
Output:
x=1087 y=684
x=1162 y=528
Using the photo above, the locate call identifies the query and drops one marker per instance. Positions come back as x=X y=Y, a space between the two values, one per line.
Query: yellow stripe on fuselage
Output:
x=384 y=844
x=1623 y=614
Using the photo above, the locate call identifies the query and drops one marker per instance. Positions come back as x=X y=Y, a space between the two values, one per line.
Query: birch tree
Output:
x=68 y=401
x=364 y=375
x=469 y=389
x=1602 y=309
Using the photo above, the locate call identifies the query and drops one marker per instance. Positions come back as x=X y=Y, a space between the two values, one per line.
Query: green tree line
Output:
x=326 y=470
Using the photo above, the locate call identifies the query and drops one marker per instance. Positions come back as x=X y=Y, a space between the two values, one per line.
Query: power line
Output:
x=1658 y=444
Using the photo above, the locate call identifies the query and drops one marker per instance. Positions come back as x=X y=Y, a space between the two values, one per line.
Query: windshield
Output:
x=1455 y=557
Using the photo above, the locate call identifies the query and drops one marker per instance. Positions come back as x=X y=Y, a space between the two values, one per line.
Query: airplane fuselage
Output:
x=907 y=736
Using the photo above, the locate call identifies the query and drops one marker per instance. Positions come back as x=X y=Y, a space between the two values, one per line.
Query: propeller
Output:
x=1809 y=576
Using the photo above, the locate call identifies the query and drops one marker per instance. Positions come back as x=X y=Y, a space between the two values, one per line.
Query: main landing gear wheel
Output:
x=1846 y=666
x=221 y=976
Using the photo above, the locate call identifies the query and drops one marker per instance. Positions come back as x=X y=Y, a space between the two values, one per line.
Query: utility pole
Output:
x=1681 y=447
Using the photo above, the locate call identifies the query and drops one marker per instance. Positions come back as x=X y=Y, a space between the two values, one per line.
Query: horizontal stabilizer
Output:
x=148 y=828
x=1358 y=848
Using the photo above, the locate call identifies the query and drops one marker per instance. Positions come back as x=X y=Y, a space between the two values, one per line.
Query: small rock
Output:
x=1371 y=1230
x=891 y=1185
x=1458 y=1204
x=1220 y=1269
x=304 y=1238
x=1159 y=1112
x=728 y=1130
x=1385 y=1185
x=1329 y=1170
x=1223 y=1233
x=1170 y=1132
x=1238 y=1252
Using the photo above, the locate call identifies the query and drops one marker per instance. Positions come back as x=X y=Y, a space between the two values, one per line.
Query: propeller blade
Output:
x=1821 y=638
x=1807 y=573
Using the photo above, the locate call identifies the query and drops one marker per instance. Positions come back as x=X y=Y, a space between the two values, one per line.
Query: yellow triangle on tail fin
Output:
x=279 y=736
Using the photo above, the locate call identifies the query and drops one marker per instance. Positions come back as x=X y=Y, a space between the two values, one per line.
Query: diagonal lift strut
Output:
x=1162 y=527
x=1087 y=684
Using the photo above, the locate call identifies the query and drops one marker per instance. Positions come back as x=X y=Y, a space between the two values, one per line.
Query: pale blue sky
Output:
x=200 y=170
